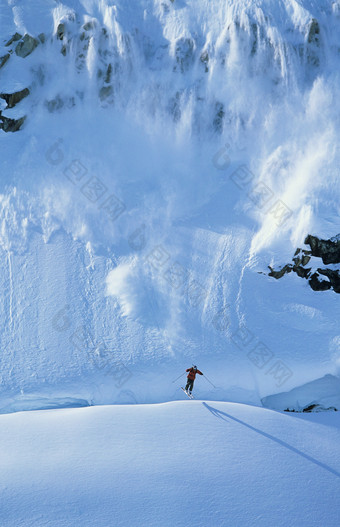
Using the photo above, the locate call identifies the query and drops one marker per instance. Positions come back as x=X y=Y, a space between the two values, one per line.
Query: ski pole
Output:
x=209 y=381
x=179 y=377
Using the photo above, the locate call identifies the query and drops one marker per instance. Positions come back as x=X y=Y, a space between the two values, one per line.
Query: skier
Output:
x=191 y=377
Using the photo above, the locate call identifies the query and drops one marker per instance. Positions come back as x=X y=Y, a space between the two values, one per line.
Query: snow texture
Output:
x=171 y=152
x=219 y=464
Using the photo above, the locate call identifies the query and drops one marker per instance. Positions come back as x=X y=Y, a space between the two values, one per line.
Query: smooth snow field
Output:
x=158 y=160
x=189 y=463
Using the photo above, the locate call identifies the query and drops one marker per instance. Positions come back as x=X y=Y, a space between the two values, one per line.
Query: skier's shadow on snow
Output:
x=224 y=416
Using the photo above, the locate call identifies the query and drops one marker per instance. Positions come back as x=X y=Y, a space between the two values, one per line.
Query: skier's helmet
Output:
x=195 y=367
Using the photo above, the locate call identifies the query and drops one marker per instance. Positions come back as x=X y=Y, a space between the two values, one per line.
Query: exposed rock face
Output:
x=301 y=271
x=279 y=274
x=11 y=125
x=318 y=285
x=205 y=59
x=219 y=117
x=334 y=278
x=26 y=46
x=108 y=74
x=189 y=52
x=305 y=259
x=4 y=59
x=328 y=250
x=314 y=408
x=60 y=31
x=6 y=123
x=14 y=38
x=13 y=98
x=313 y=43
x=314 y=32
x=255 y=32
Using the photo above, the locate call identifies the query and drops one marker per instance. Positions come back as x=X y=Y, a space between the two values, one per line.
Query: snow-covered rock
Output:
x=318 y=395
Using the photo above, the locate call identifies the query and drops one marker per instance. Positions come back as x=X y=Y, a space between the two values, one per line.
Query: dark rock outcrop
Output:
x=312 y=49
x=60 y=31
x=108 y=74
x=319 y=408
x=314 y=32
x=13 y=98
x=4 y=59
x=14 y=38
x=279 y=274
x=26 y=46
x=313 y=408
x=204 y=58
x=305 y=259
x=328 y=250
x=301 y=271
x=334 y=278
x=11 y=125
x=219 y=117
x=318 y=285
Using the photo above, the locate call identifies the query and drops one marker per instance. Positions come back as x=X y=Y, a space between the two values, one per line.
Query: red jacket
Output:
x=192 y=373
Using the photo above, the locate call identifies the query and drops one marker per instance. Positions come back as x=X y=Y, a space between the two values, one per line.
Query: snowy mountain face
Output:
x=156 y=158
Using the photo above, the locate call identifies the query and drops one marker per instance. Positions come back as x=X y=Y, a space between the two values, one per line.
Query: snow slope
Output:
x=129 y=246
x=220 y=464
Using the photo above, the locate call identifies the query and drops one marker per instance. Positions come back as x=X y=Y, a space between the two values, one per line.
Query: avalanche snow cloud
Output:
x=156 y=157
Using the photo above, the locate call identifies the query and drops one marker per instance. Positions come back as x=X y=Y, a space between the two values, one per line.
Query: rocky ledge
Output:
x=328 y=251
x=12 y=99
x=11 y=125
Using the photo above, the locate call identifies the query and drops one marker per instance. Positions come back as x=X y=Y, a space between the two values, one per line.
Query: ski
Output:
x=190 y=396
